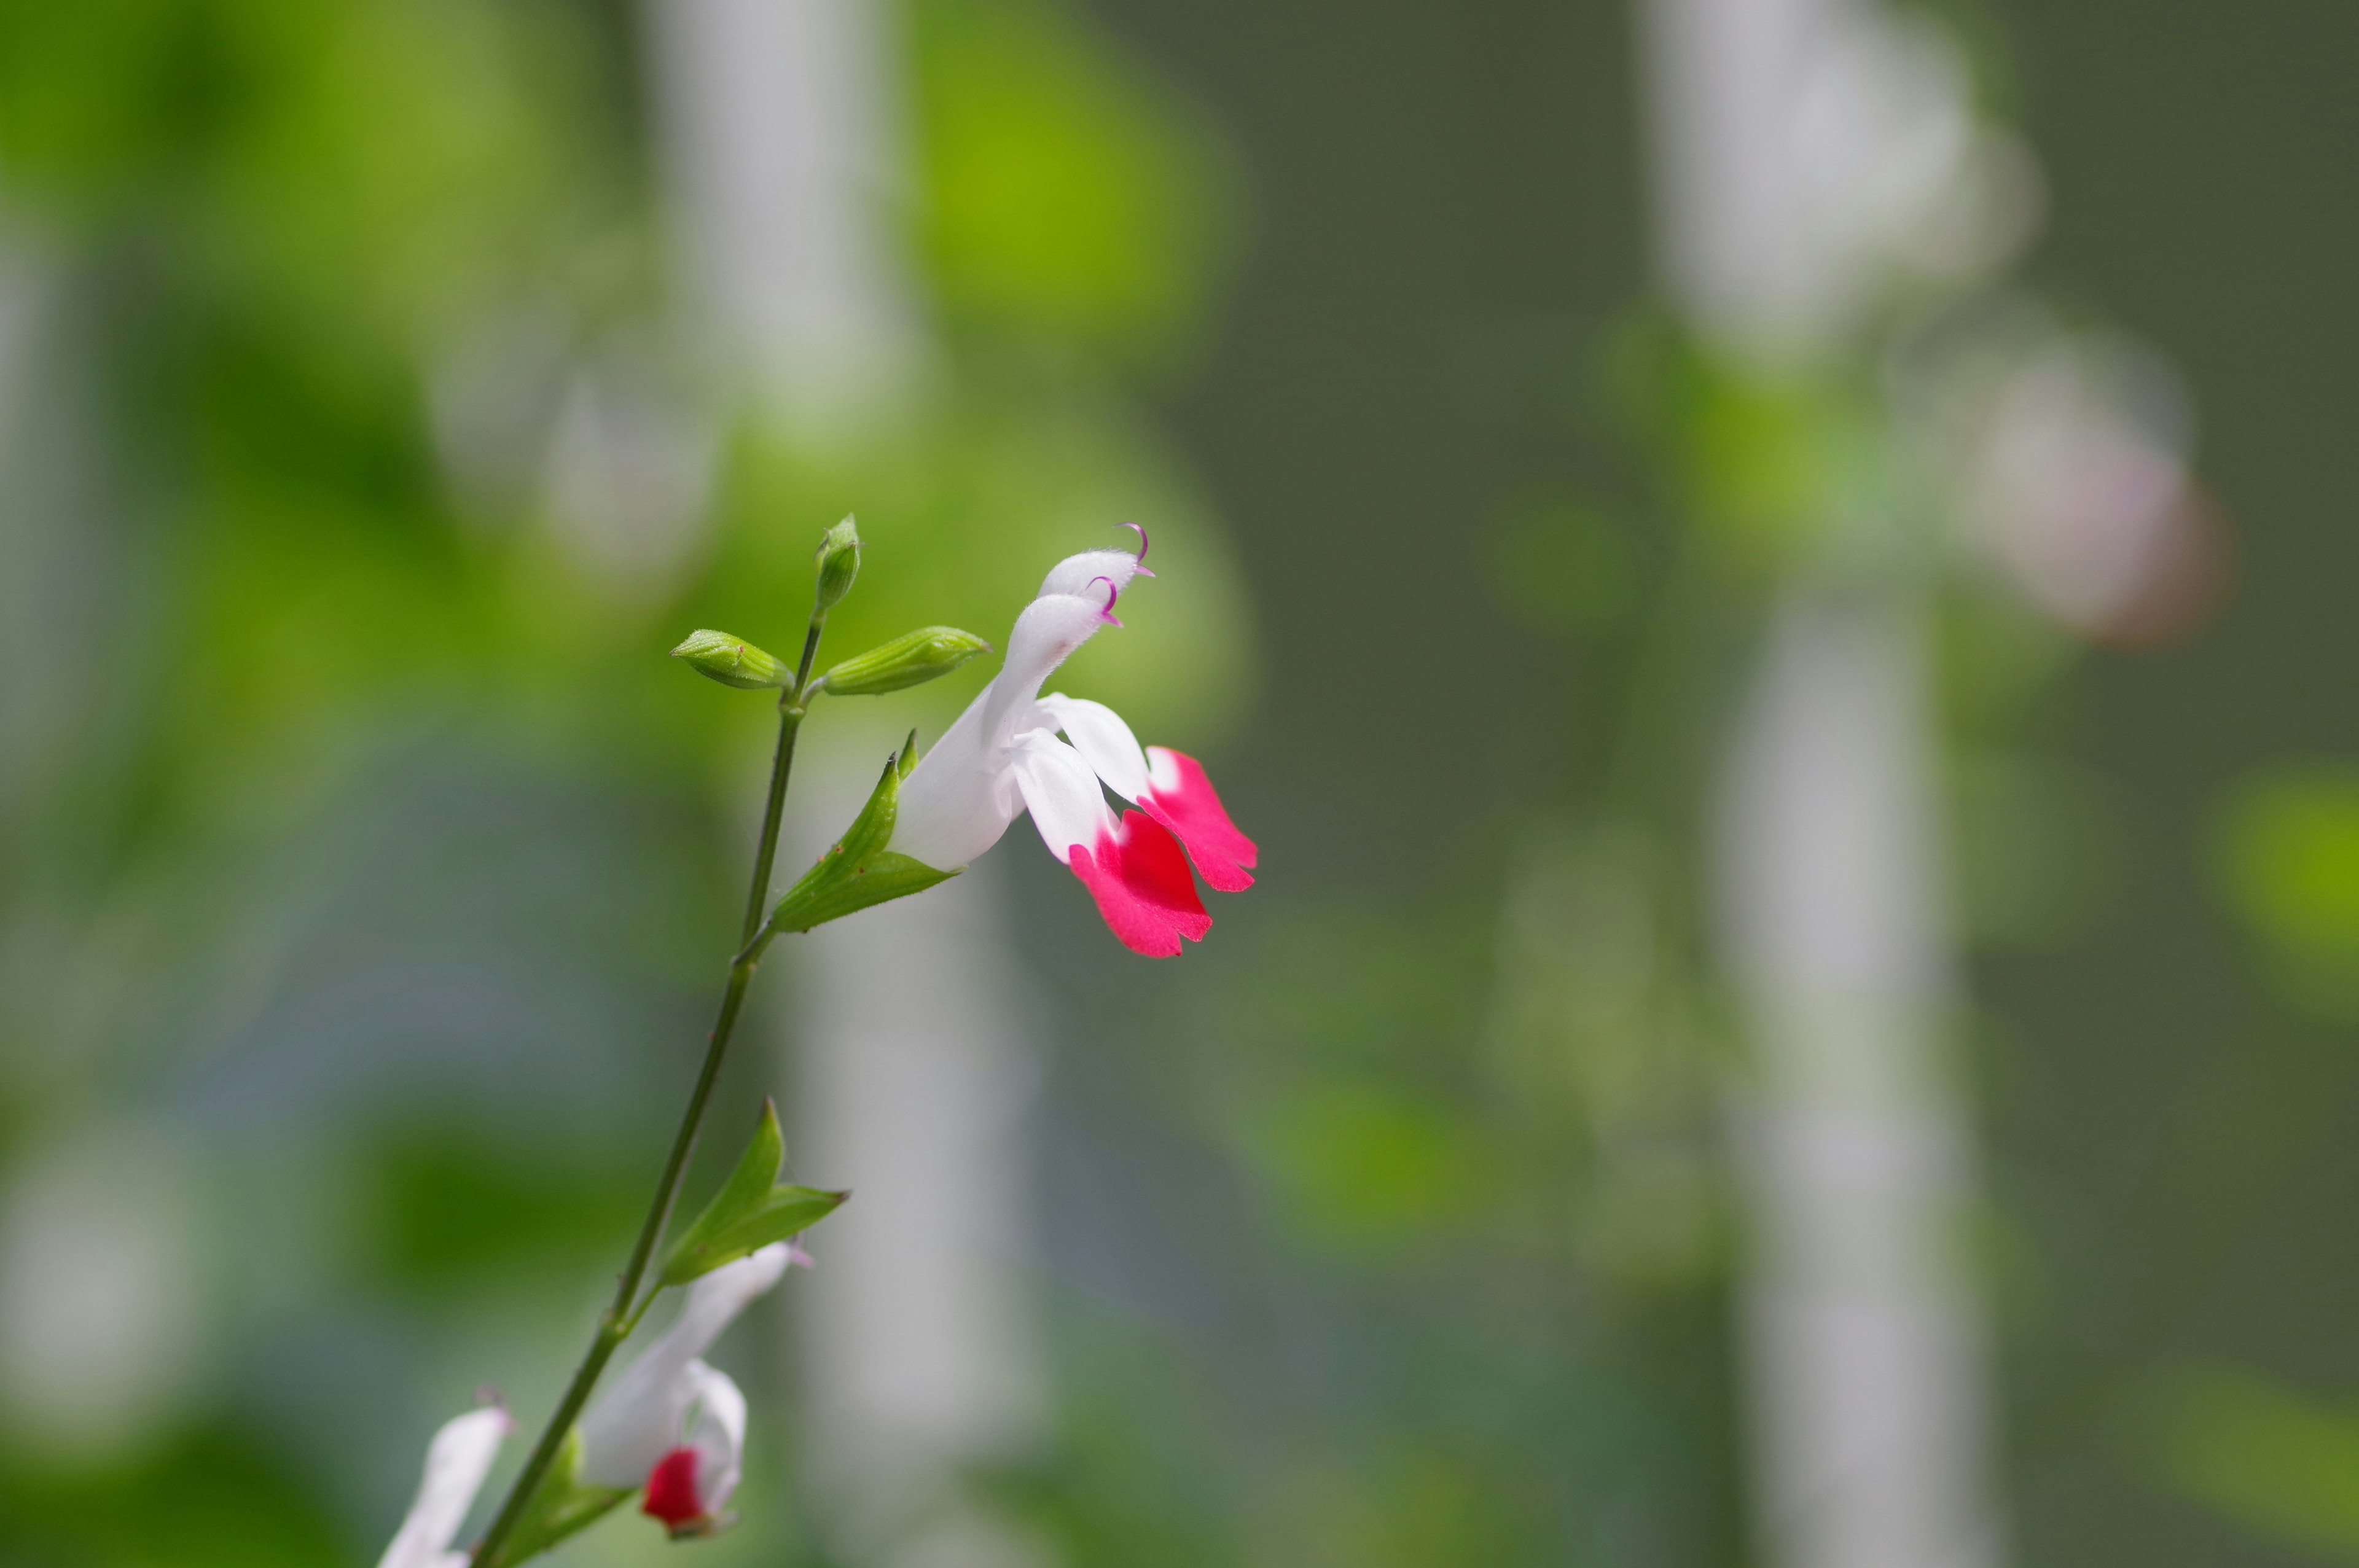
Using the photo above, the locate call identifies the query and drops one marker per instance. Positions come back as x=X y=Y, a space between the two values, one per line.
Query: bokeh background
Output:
x=1771 y=578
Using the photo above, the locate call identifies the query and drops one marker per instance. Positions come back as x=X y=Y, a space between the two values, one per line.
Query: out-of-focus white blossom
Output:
x=456 y=1462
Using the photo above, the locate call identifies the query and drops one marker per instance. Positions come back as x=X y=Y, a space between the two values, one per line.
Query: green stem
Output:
x=617 y=1321
x=782 y=762
x=792 y=702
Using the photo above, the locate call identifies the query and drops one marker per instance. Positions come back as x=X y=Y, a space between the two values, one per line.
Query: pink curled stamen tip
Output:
x=1141 y=532
x=1107 y=613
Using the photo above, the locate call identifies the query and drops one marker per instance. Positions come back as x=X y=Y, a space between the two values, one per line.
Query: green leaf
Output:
x=860 y=871
x=785 y=1211
x=562 y=1504
x=750 y=1211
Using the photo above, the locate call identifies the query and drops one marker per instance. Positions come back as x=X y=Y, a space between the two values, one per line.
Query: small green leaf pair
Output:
x=911 y=659
x=751 y=1211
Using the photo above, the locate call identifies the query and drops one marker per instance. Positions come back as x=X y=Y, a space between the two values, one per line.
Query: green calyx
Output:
x=839 y=564
x=751 y=1211
x=860 y=871
x=561 y=1505
x=733 y=661
x=911 y=659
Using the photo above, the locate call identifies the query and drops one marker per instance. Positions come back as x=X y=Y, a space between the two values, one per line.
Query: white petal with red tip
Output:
x=1179 y=796
x=1067 y=804
x=640 y=1417
x=691 y=1480
x=1140 y=881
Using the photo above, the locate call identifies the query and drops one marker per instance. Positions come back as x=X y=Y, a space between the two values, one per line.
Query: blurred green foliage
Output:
x=2290 y=860
x=347 y=787
x=2286 y=1464
x=212 y=1499
x=1771 y=469
x=1069 y=196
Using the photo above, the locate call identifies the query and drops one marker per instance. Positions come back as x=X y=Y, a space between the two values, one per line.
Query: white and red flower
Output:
x=671 y=1427
x=456 y=1462
x=1001 y=758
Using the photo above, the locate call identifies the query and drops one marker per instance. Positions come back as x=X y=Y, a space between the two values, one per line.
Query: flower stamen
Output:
x=1141 y=532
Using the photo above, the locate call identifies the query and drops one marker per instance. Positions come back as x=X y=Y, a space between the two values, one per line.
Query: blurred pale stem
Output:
x=622 y=1315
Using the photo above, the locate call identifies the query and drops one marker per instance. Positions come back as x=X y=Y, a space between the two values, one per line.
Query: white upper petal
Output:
x=456 y=1462
x=1061 y=791
x=716 y=1429
x=1102 y=737
x=1046 y=635
x=639 y=1418
x=963 y=795
x=1074 y=574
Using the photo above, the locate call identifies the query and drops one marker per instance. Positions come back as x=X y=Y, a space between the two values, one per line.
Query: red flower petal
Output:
x=671 y=1490
x=1180 y=797
x=1140 y=881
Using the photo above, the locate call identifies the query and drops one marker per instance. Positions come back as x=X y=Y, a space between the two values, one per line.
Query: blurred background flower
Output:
x=1798 y=1008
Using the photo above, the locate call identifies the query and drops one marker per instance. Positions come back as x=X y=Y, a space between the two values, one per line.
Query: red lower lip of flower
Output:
x=671 y=1490
x=1188 y=807
x=1139 y=878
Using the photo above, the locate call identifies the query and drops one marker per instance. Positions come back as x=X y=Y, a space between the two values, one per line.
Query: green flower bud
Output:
x=733 y=661
x=838 y=563
x=910 y=659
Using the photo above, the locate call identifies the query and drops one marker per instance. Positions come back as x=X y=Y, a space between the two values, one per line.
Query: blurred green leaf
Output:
x=214 y=1499
x=1561 y=566
x=2269 y=1457
x=750 y=1211
x=2037 y=846
x=451 y=1206
x=2289 y=853
x=1068 y=194
x=1775 y=467
x=1367 y=1165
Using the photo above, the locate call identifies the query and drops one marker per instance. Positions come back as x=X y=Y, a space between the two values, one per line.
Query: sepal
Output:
x=733 y=661
x=911 y=659
x=860 y=871
x=752 y=1209
x=562 y=1504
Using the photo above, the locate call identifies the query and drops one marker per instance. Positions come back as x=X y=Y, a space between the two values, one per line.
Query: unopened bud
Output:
x=910 y=659
x=838 y=563
x=733 y=661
